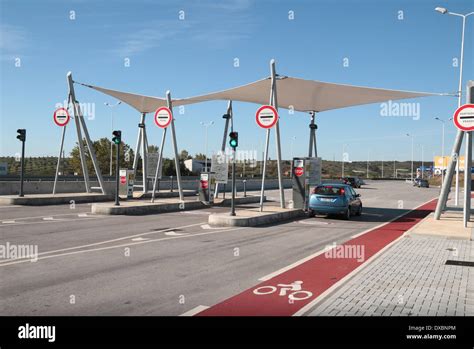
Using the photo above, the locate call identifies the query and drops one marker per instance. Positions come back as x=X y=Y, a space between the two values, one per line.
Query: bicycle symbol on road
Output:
x=297 y=294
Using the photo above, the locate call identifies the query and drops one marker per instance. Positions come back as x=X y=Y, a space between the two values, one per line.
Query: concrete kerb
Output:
x=162 y=206
x=58 y=199
x=253 y=217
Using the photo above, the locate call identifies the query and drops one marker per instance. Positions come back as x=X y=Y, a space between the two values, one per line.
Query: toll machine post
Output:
x=305 y=174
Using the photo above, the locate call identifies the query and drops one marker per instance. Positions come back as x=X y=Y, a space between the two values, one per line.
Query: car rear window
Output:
x=329 y=190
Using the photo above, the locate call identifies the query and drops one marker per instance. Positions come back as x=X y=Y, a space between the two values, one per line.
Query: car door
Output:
x=355 y=201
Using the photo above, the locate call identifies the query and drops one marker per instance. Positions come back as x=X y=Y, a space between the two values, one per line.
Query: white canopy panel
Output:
x=292 y=93
x=144 y=104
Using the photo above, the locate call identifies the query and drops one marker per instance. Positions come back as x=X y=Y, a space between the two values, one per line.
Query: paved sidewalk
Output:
x=409 y=279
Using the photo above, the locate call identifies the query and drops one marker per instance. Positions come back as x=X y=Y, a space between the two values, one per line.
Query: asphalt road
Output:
x=163 y=264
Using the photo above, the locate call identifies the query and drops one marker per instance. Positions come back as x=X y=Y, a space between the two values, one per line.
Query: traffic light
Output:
x=21 y=134
x=234 y=139
x=117 y=139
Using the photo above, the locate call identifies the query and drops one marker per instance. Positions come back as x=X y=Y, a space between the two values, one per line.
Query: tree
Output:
x=102 y=152
x=184 y=155
x=200 y=156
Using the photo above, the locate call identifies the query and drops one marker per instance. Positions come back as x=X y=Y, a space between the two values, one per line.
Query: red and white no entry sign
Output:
x=464 y=117
x=266 y=116
x=298 y=171
x=163 y=117
x=61 y=117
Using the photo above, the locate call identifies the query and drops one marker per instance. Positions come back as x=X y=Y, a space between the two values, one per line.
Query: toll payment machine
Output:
x=206 y=188
x=306 y=174
x=127 y=179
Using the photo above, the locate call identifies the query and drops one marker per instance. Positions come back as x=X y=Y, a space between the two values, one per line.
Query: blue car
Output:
x=340 y=199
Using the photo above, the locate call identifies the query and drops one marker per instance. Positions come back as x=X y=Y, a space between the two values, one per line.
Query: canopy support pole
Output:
x=274 y=103
x=80 y=123
x=158 y=166
x=446 y=187
x=448 y=178
x=265 y=156
x=312 y=136
x=175 y=148
x=144 y=155
x=59 y=159
x=227 y=116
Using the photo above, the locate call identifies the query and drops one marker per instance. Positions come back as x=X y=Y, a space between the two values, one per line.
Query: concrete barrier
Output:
x=46 y=187
x=133 y=208
x=251 y=218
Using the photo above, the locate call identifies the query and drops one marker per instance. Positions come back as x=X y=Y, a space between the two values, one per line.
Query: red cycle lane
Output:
x=286 y=293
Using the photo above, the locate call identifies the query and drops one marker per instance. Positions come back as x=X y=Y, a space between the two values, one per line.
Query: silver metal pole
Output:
x=456 y=191
x=467 y=179
x=175 y=147
x=456 y=196
x=265 y=156
x=160 y=157
x=144 y=155
x=442 y=156
x=90 y=146
x=59 y=160
x=137 y=151
x=274 y=102
x=224 y=138
x=443 y=196
x=72 y=95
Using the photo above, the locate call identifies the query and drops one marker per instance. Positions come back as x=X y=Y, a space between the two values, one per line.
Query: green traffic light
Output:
x=233 y=143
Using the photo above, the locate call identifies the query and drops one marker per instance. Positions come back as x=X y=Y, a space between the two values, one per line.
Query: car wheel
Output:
x=359 y=211
x=347 y=215
x=311 y=213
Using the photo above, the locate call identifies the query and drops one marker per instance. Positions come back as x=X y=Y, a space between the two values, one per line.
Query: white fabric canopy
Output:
x=292 y=93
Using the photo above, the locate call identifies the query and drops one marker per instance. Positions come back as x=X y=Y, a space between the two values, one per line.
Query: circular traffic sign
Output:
x=61 y=117
x=267 y=116
x=464 y=117
x=163 y=117
x=298 y=171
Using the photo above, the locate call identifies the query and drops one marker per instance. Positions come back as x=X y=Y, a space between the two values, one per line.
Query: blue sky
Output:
x=196 y=55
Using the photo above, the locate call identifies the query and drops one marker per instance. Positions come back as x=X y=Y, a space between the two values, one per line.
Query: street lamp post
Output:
x=112 y=129
x=422 y=163
x=343 y=158
x=412 y=154
x=443 y=11
x=206 y=126
x=442 y=149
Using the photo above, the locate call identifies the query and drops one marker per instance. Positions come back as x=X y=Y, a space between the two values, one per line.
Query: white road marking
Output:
x=197 y=212
x=140 y=239
x=195 y=310
x=117 y=239
x=115 y=246
x=314 y=223
x=301 y=261
x=207 y=227
x=173 y=233
x=55 y=221
x=83 y=215
x=8 y=222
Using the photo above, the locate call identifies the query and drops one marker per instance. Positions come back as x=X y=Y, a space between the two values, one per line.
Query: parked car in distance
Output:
x=340 y=199
x=355 y=182
x=421 y=183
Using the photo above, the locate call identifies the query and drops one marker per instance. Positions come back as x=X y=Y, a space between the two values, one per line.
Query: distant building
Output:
x=197 y=166
x=3 y=168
